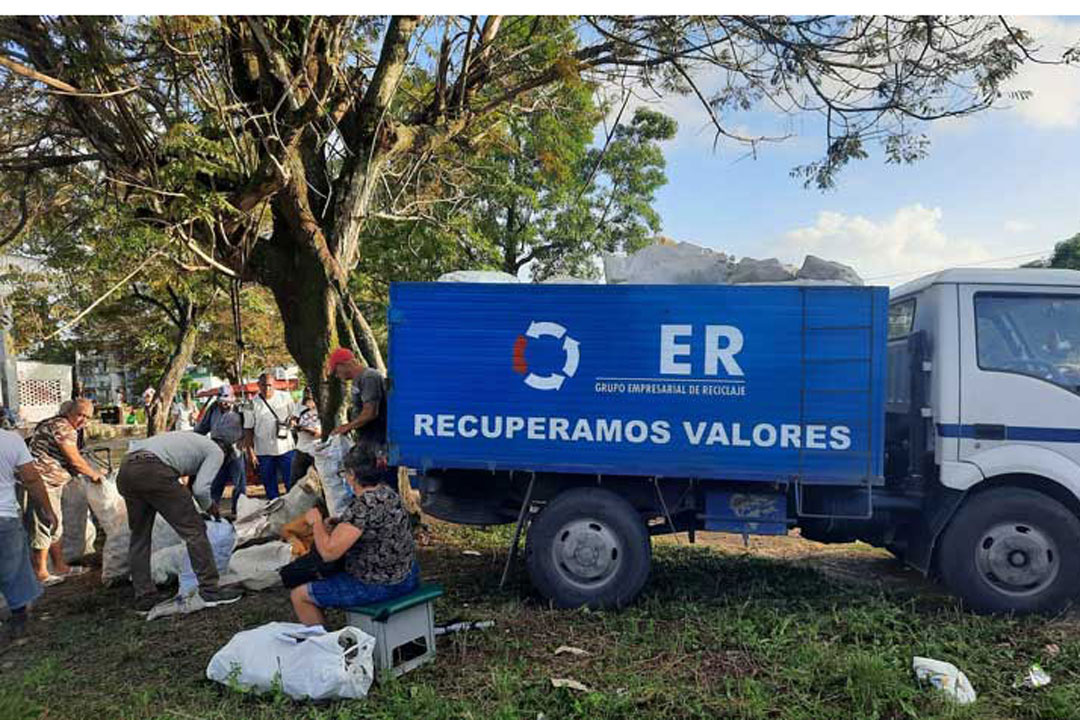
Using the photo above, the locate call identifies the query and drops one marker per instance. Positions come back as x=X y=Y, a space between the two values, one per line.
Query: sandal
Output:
x=51 y=580
x=75 y=571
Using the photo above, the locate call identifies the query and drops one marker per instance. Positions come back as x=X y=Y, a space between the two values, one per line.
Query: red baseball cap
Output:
x=339 y=357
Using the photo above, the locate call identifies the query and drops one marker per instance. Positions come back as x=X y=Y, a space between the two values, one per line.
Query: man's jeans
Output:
x=273 y=468
x=18 y=584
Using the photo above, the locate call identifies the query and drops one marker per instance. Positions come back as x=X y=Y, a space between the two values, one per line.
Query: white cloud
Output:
x=1055 y=102
x=891 y=250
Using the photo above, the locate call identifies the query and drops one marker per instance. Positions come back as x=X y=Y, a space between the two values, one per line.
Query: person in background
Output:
x=18 y=583
x=308 y=430
x=373 y=536
x=148 y=397
x=55 y=448
x=268 y=436
x=149 y=483
x=8 y=421
x=222 y=410
x=182 y=415
x=368 y=407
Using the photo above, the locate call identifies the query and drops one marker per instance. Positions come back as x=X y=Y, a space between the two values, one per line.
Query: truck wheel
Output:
x=588 y=547
x=1012 y=550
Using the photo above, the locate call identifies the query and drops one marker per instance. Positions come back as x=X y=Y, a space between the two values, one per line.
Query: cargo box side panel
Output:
x=677 y=381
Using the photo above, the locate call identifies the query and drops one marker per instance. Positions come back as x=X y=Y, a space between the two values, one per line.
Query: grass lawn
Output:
x=718 y=633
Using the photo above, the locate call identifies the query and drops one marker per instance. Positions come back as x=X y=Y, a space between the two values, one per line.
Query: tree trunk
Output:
x=157 y=415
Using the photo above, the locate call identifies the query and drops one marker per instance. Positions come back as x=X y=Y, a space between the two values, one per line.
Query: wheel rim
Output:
x=586 y=553
x=1017 y=559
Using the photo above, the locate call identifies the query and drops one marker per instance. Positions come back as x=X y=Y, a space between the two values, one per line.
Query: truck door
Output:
x=1019 y=374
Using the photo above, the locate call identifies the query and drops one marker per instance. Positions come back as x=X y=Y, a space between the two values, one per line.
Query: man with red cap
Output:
x=368 y=402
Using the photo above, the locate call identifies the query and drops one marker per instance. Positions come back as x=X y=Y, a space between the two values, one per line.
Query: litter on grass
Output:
x=946 y=677
x=1035 y=677
x=463 y=626
x=570 y=650
x=569 y=684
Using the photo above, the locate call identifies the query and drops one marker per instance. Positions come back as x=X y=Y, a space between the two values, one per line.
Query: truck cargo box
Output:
x=747 y=383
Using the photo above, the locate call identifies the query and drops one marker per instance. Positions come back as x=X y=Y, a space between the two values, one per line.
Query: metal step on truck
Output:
x=941 y=421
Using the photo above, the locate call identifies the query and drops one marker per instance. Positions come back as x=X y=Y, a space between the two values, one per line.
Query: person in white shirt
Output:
x=308 y=430
x=149 y=482
x=18 y=583
x=182 y=417
x=268 y=438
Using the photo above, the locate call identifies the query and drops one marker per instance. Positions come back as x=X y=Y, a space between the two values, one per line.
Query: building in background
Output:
x=106 y=379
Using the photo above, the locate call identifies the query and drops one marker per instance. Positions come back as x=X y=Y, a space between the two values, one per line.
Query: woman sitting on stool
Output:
x=372 y=537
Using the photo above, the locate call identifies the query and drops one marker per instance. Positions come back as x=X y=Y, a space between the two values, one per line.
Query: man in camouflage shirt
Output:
x=54 y=447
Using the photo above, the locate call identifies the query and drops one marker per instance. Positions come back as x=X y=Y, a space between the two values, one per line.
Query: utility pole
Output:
x=9 y=371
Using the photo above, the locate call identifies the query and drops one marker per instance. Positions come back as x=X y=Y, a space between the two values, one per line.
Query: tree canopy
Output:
x=268 y=148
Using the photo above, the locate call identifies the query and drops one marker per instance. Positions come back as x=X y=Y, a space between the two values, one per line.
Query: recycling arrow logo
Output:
x=571 y=349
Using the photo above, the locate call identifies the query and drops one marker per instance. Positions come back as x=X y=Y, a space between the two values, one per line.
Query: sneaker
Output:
x=17 y=626
x=219 y=596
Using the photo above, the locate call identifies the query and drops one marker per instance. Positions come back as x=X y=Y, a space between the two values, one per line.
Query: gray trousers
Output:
x=149 y=487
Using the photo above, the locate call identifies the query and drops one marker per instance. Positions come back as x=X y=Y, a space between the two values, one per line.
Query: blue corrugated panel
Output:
x=731 y=382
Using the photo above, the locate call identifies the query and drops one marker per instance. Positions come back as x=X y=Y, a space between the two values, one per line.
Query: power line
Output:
x=972 y=264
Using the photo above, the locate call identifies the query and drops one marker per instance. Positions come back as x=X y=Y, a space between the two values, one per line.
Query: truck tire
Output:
x=1012 y=550
x=588 y=547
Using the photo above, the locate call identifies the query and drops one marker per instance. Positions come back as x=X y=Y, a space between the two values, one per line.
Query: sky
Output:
x=999 y=184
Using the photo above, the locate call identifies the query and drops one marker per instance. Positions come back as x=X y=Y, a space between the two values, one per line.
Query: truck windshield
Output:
x=1036 y=335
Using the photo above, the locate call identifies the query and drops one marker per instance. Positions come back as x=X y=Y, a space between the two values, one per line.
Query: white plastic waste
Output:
x=1035 y=677
x=173 y=561
x=110 y=510
x=328 y=461
x=182 y=604
x=478 y=276
x=669 y=264
x=79 y=531
x=305 y=662
x=256 y=567
x=262 y=519
x=946 y=677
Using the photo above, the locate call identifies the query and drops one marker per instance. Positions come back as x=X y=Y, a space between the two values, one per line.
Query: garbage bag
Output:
x=79 y=531
x=946 y=677
x=262 y=519
x=256 y=567
x=173 y=561
x=328 y=461
x=111 y=511
x=307 y=663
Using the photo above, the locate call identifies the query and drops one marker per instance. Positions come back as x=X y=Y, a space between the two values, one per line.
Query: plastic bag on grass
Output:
x=306 y=662
x=110 y=510
x=946 y=677
x=328 y=461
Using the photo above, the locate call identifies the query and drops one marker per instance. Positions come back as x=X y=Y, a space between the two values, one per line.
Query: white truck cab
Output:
x=983 y=405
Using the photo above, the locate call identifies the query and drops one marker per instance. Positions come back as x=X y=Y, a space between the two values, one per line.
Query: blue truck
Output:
x=596 y=416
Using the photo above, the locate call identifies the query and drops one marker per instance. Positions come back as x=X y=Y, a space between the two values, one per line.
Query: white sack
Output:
x=749 y=270
x=173 y=561
x=163 y=535
x=256 y=567
x=263 y=519
x=110 y=510
x=478 y=276
x=678 y=264
x=814 y=268
x=306 y=662
x=79 y=531
x=328 y=461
